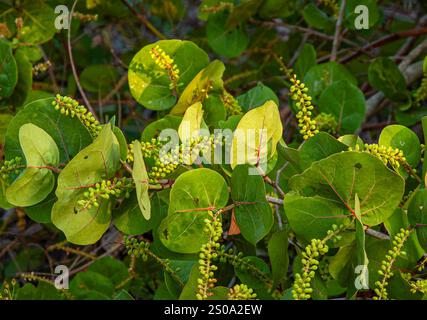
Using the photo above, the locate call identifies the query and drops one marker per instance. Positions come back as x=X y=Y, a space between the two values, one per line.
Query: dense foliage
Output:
x=252 y=149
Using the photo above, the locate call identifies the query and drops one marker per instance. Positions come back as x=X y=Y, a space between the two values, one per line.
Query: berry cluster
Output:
x=388 y=155
x=141 y=249
x=332 y=5
x=417 y=285
x=326 y=122
x=208 y=253
x=217 y=8
x=115 y=187
x=85 y=17
x=241 y=292
x=150 y=149
x=8 y=290
x=310 y=260
x=387 y=264
x=237 y=261
x=231 y=104
x=69 y=106
x=420 y=94
x=137 y=248
x=299 y=93
x=10 y=166
x=423 y=264
x=166 y=162
x=184 y=154
x=165 y=62
x=41 y=67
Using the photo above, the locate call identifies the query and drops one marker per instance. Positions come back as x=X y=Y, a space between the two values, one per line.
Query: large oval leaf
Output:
x=151 y=86
x=193 y=194
x=332 y=183
x=36 y=182
x=68 y=133
x=32 y=187
x=253 y=213
x=8 y=70
x=207 y=81
x=97 y=162
x=346 y=103
x=257 y=135
x=405 y=139
x=319 y=77
x=38 y=147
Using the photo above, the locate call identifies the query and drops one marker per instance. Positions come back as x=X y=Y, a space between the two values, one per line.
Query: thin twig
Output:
x=144 y=20
x=377 y=234
x=337 y=36
x=73 y=67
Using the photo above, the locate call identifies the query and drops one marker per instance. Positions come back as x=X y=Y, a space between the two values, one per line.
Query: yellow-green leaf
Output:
x=140 y=177
x=36 y=181
x=191 y=122
x=38 y=146
x=207 y=81
x=257 y=135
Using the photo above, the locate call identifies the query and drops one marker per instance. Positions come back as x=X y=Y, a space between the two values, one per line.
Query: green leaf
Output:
x=311 y=217
x=150 y=85
x=129 y=220
x=43 y=291
x=214 y=110
x=318 y=147
x=155 y=128
x=253 y=213
x=113 y=269
x=91 y=285
x=277 y=9
x=38 y=22
x=190 y=288
x=278 y=254
x=31 y=187
x=207 y=81
x=405 y=139
x=346 y=103
x=35 y=183
x=140 y=178
x=8 y=70
x=254 y=274
x=225 y=41
x=98 y=161
x=327 y=189
x=41 y=211
x=122 y=142
x=385 y=76
x=243 y=12
x=412 y=246
x=38 y=146
x=305 y=60
x=99 y=78
x=321 y=76
x=316 y=18
x=25 y=79
x=193 y=194
x=257 y=135
x=257 y=96
x=68 y=133
x=360 y=257
x=417 y=214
